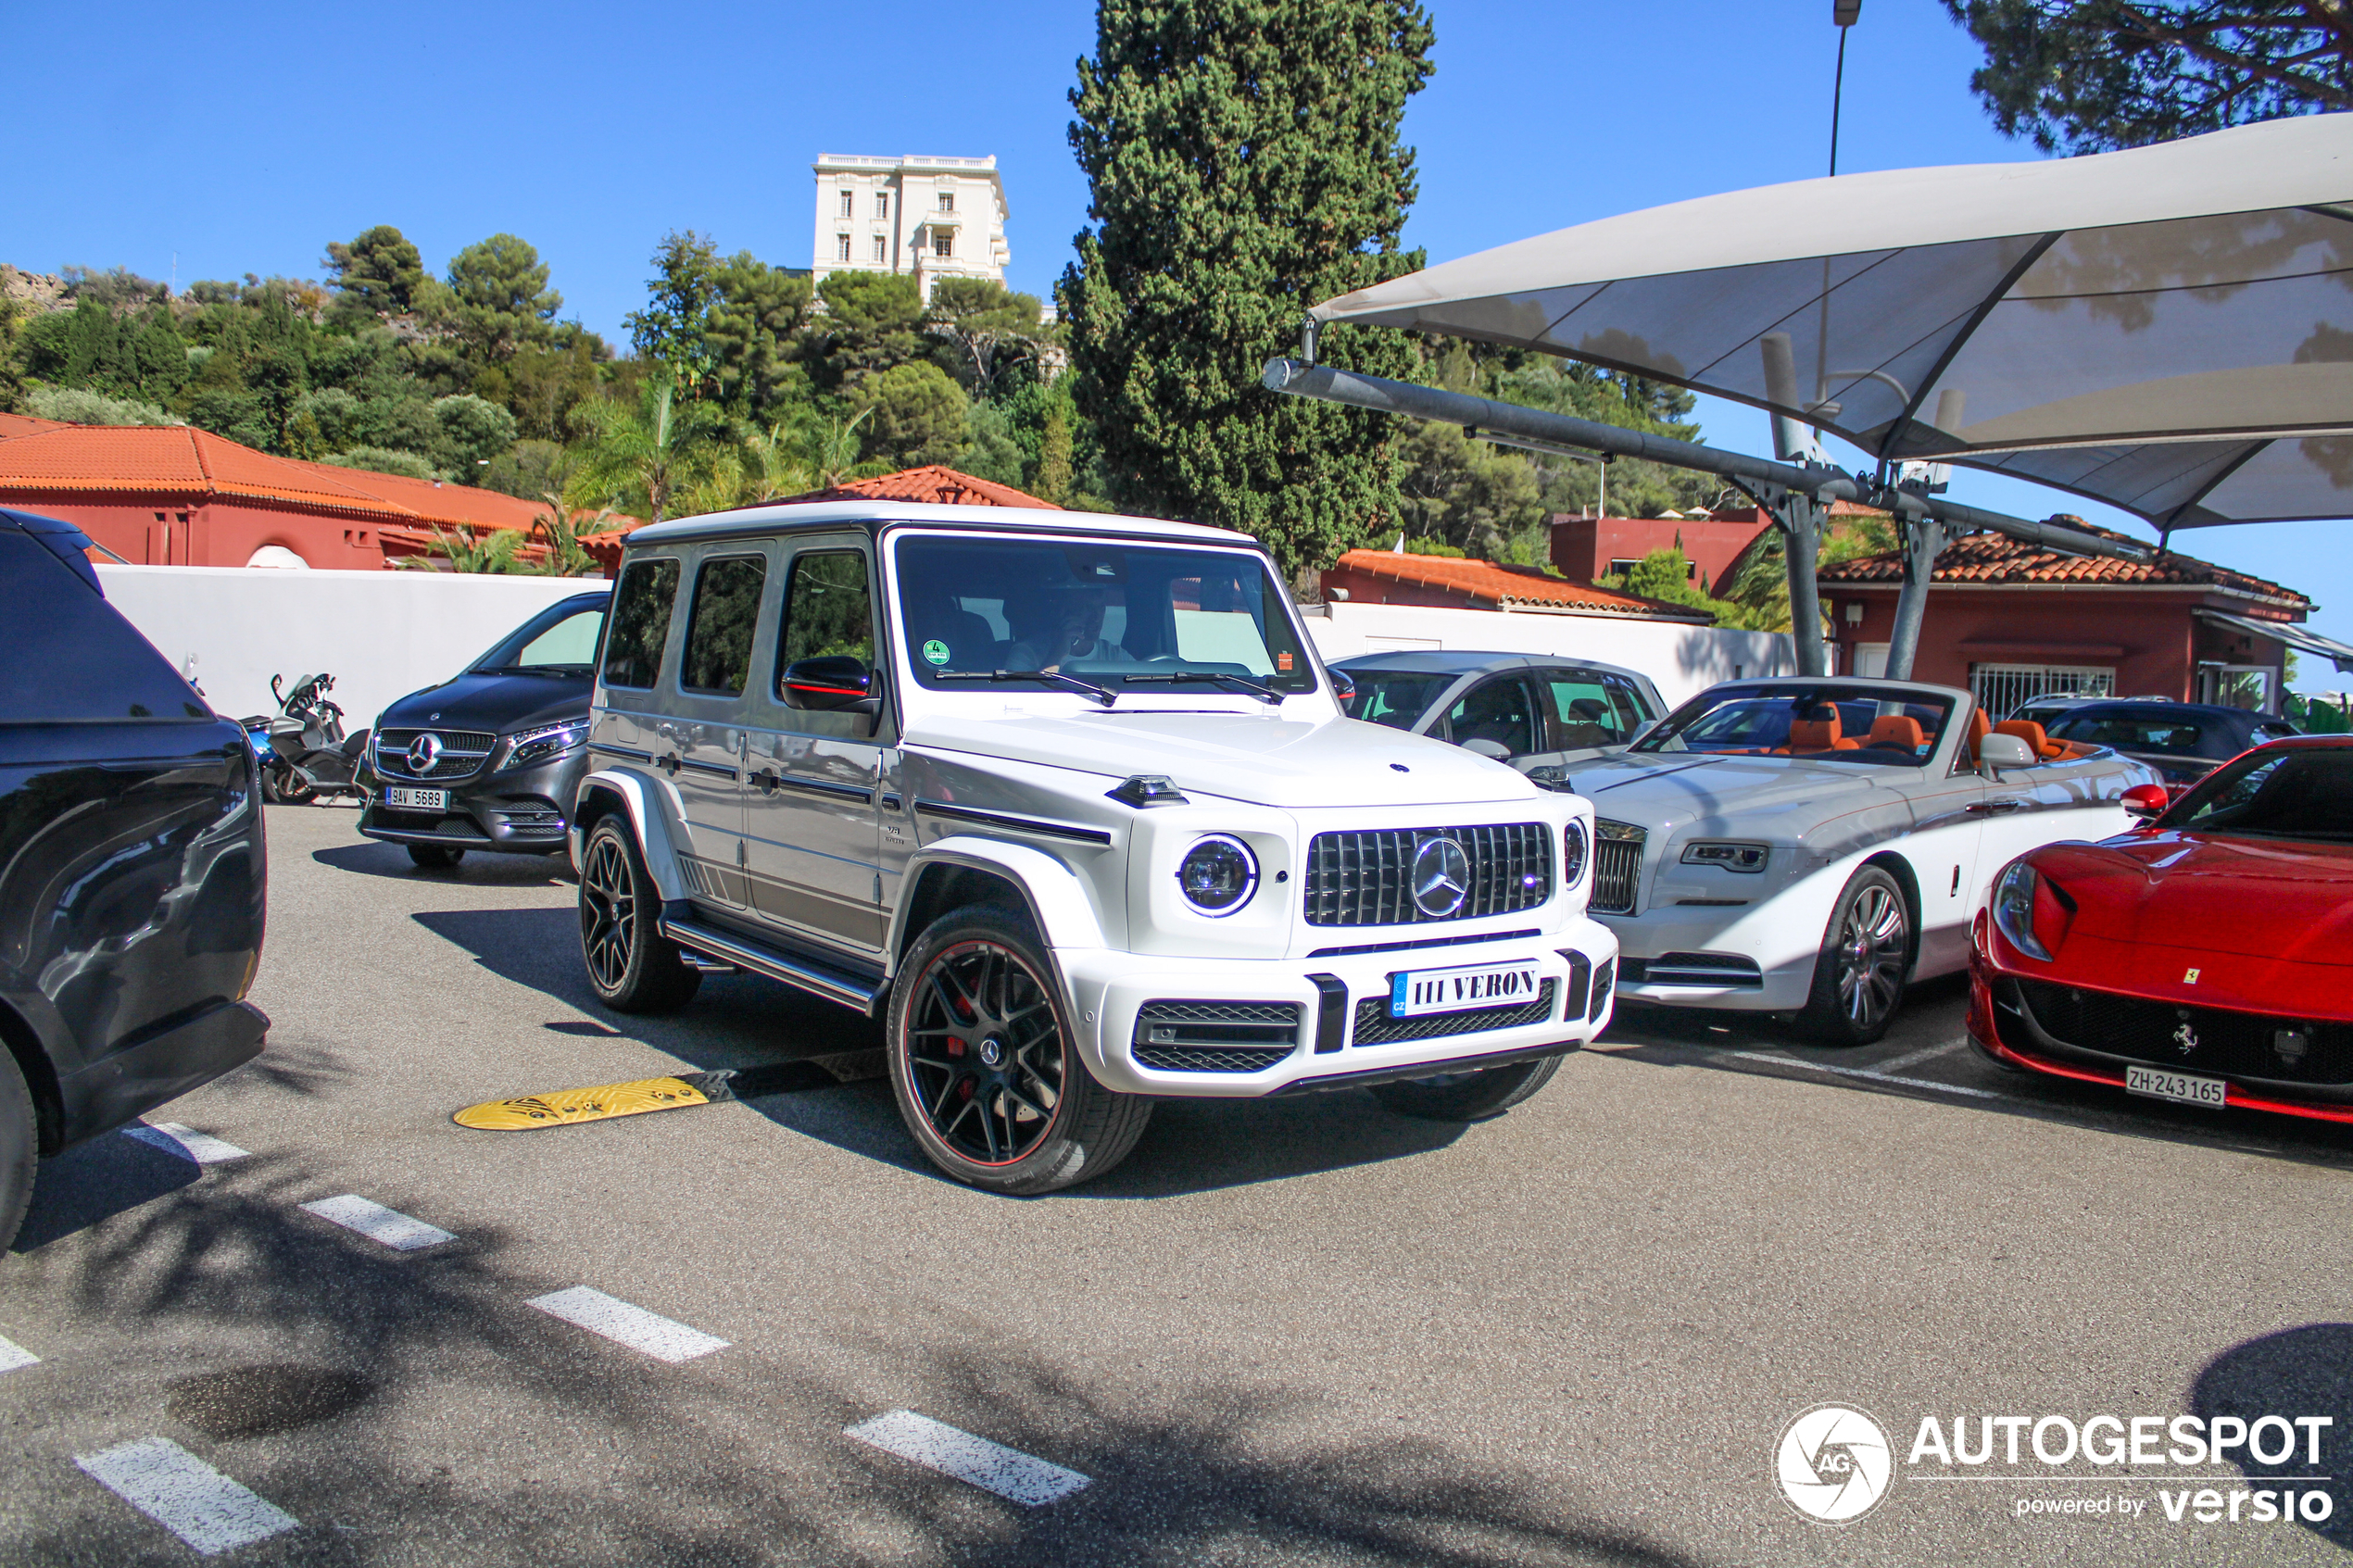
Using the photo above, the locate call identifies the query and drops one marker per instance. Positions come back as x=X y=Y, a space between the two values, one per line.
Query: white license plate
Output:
x=2158 y=1084
x=416 y=799
x=1420 y=991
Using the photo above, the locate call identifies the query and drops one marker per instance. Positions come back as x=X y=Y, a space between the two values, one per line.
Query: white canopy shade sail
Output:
x=2167 y=330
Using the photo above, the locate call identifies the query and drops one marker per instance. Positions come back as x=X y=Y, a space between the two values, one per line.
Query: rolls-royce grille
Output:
x=2235 y=1044
x=1194 y=1036
x=1367 y=878
x=1375 y=1027
x=1617 y=867
x=459 y=754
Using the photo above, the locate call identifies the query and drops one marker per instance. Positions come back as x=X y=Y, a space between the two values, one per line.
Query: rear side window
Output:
x=827 y=613
x=2128 y=732
x=640 y=622
x=718 y=658
x=1392 y=699
x=1591 y=709
x=71 y=657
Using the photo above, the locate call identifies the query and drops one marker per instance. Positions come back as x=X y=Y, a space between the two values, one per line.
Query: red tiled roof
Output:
x=25 y=424
x=1997 y=558
x=180 y=461
x=1488 y=584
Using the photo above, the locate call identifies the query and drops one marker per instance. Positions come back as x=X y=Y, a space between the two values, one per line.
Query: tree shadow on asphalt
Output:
x=467 y=1427
x=482 y=868
x=743 y=1020
x=1695 y=1037
x=2306 y=1370
x=108 y=1175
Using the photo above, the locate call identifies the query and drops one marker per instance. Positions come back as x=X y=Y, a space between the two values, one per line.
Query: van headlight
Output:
x=1218 y=874
x=539 y=745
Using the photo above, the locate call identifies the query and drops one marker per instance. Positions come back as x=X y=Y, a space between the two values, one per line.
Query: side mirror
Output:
x=2147 y=801
x=1491 y=749
x=2004 y=751
x=837 y=684
x=1343 y=688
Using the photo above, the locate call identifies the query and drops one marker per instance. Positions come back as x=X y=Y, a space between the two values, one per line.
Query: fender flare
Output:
x=654 y=815
x=1053 y=892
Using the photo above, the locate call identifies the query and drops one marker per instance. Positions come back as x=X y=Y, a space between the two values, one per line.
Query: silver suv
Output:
x=1068 y=802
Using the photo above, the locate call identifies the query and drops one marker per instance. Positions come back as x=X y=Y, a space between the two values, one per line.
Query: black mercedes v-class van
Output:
x=132 y=867
x=490 y=758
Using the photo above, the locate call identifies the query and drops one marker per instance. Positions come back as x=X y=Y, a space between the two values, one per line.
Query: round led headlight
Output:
x=1218 y=874
x=1572 y=853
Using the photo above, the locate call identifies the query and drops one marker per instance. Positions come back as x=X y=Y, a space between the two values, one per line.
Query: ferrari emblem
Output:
x=2185 y=1037
x=2190 y=978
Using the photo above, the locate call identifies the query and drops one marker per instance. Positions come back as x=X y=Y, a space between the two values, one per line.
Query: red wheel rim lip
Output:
x=916 y=1094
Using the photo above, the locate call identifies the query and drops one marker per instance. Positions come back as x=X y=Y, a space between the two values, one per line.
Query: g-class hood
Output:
x=1242 y=757
x=499 y=704
x=1660 y=790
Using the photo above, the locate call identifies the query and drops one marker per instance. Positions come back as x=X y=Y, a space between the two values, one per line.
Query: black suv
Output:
x=132 y=867
x=491 y=758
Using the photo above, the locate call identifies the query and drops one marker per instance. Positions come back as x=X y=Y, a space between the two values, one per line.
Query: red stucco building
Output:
x=2007 y=620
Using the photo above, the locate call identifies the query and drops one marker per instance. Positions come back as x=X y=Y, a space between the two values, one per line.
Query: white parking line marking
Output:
x=1874 y=1075
x=618 y=1321
x=13 y=1355
x=993 y=1467
x=185 y=1495
x=377 y=1223
x=186 y=1142
x=1913 y=1059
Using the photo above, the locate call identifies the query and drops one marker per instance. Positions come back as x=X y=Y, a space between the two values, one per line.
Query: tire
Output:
x=1467 y=1097
x=19 y=1148
x=1865 y=962
x=435 y=857
x=1033 y=1119
x=632 y=966
x=285 y=786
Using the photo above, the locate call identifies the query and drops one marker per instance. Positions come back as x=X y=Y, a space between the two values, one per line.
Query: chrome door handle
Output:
x=669 y=764
x=1995 y=808
x=768 y=779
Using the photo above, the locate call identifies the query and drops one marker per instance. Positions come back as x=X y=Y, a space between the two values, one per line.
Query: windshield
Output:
x=1115 y=616
x=1822 y=723
x=2139 y=732
x=559 y=640
x=2306 y=793
x=1386 y=697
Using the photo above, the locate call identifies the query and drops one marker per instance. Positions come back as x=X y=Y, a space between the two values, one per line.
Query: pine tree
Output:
x=1243 y=164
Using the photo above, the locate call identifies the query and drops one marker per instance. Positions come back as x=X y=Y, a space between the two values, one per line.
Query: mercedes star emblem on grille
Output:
x=1442 y=877
x=422 y=753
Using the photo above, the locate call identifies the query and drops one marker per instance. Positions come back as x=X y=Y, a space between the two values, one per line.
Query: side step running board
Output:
x=834 y=985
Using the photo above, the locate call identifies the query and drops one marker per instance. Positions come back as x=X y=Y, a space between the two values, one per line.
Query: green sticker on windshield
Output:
x=936 y=651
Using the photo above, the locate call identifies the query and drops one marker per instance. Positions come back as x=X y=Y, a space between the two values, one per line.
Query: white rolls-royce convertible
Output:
x=1811 y=846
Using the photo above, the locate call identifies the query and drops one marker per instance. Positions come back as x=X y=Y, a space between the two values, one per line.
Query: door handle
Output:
x=1995 y=808
x=768 y=779
x=669 y=764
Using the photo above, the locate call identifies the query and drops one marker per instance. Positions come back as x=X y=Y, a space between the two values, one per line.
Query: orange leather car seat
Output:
x=1980 y=726
x=2031 y=733
x=1897 y=732
x=1819 y=733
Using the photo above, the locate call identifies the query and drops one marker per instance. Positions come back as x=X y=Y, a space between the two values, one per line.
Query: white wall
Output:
x=1679 y=661
x=381 y=635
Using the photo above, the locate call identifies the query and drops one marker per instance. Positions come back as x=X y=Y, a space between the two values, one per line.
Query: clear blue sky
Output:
x=221 y=143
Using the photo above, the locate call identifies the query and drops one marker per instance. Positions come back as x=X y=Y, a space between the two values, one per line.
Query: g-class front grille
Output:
x=1617 y=867
x=460 y=755
x=1191 y=1036
x=1375 y=1027
x=1367 y=878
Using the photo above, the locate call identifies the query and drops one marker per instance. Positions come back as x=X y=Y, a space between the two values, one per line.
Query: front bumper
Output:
x=513 y=810
x=1757 y=958
x=1110 y=989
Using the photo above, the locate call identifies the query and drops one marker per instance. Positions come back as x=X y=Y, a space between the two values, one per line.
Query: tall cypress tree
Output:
x=1243 y=163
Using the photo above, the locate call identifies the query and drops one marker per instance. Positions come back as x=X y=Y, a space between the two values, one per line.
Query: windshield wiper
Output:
x=1258 y=689
x=559 y=671
x=1049 y=677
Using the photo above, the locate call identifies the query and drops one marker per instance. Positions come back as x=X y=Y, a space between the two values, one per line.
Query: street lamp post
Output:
x=1844 y=13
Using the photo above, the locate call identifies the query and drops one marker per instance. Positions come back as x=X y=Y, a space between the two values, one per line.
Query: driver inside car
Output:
x=1065 y=625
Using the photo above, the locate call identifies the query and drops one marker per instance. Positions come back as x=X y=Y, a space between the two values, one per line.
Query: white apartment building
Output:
x=932 y=217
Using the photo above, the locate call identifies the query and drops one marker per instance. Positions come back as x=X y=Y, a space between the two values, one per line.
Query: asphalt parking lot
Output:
x=1303 y=1332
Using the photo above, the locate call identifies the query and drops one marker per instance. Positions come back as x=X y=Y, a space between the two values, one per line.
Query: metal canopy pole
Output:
x=1330 y=384
x=1923 y=537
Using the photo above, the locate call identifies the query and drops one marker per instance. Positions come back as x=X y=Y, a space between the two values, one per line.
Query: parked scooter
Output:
x=304 y=752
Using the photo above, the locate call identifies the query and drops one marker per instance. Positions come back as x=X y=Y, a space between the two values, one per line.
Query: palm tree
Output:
x=656 y=449
x=562 y=527
x=492 y=552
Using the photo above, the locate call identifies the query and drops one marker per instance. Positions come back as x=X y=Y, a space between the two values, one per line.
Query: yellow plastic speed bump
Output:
x=565 y=1106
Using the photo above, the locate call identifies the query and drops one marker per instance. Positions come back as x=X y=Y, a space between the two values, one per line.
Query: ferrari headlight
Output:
x=550 y=740
x=2014 y=910
x=1726 y=855
x=1218 y=874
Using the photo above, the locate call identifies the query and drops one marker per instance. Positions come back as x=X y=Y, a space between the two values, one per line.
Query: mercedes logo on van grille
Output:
x=424 y=752
x=1442 y=877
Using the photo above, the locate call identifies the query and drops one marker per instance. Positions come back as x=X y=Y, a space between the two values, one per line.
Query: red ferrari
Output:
x=2205 y=957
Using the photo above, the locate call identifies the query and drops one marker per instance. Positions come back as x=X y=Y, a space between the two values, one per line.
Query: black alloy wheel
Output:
x=1865 y=959
x=632 y=967
x=982 y=1065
